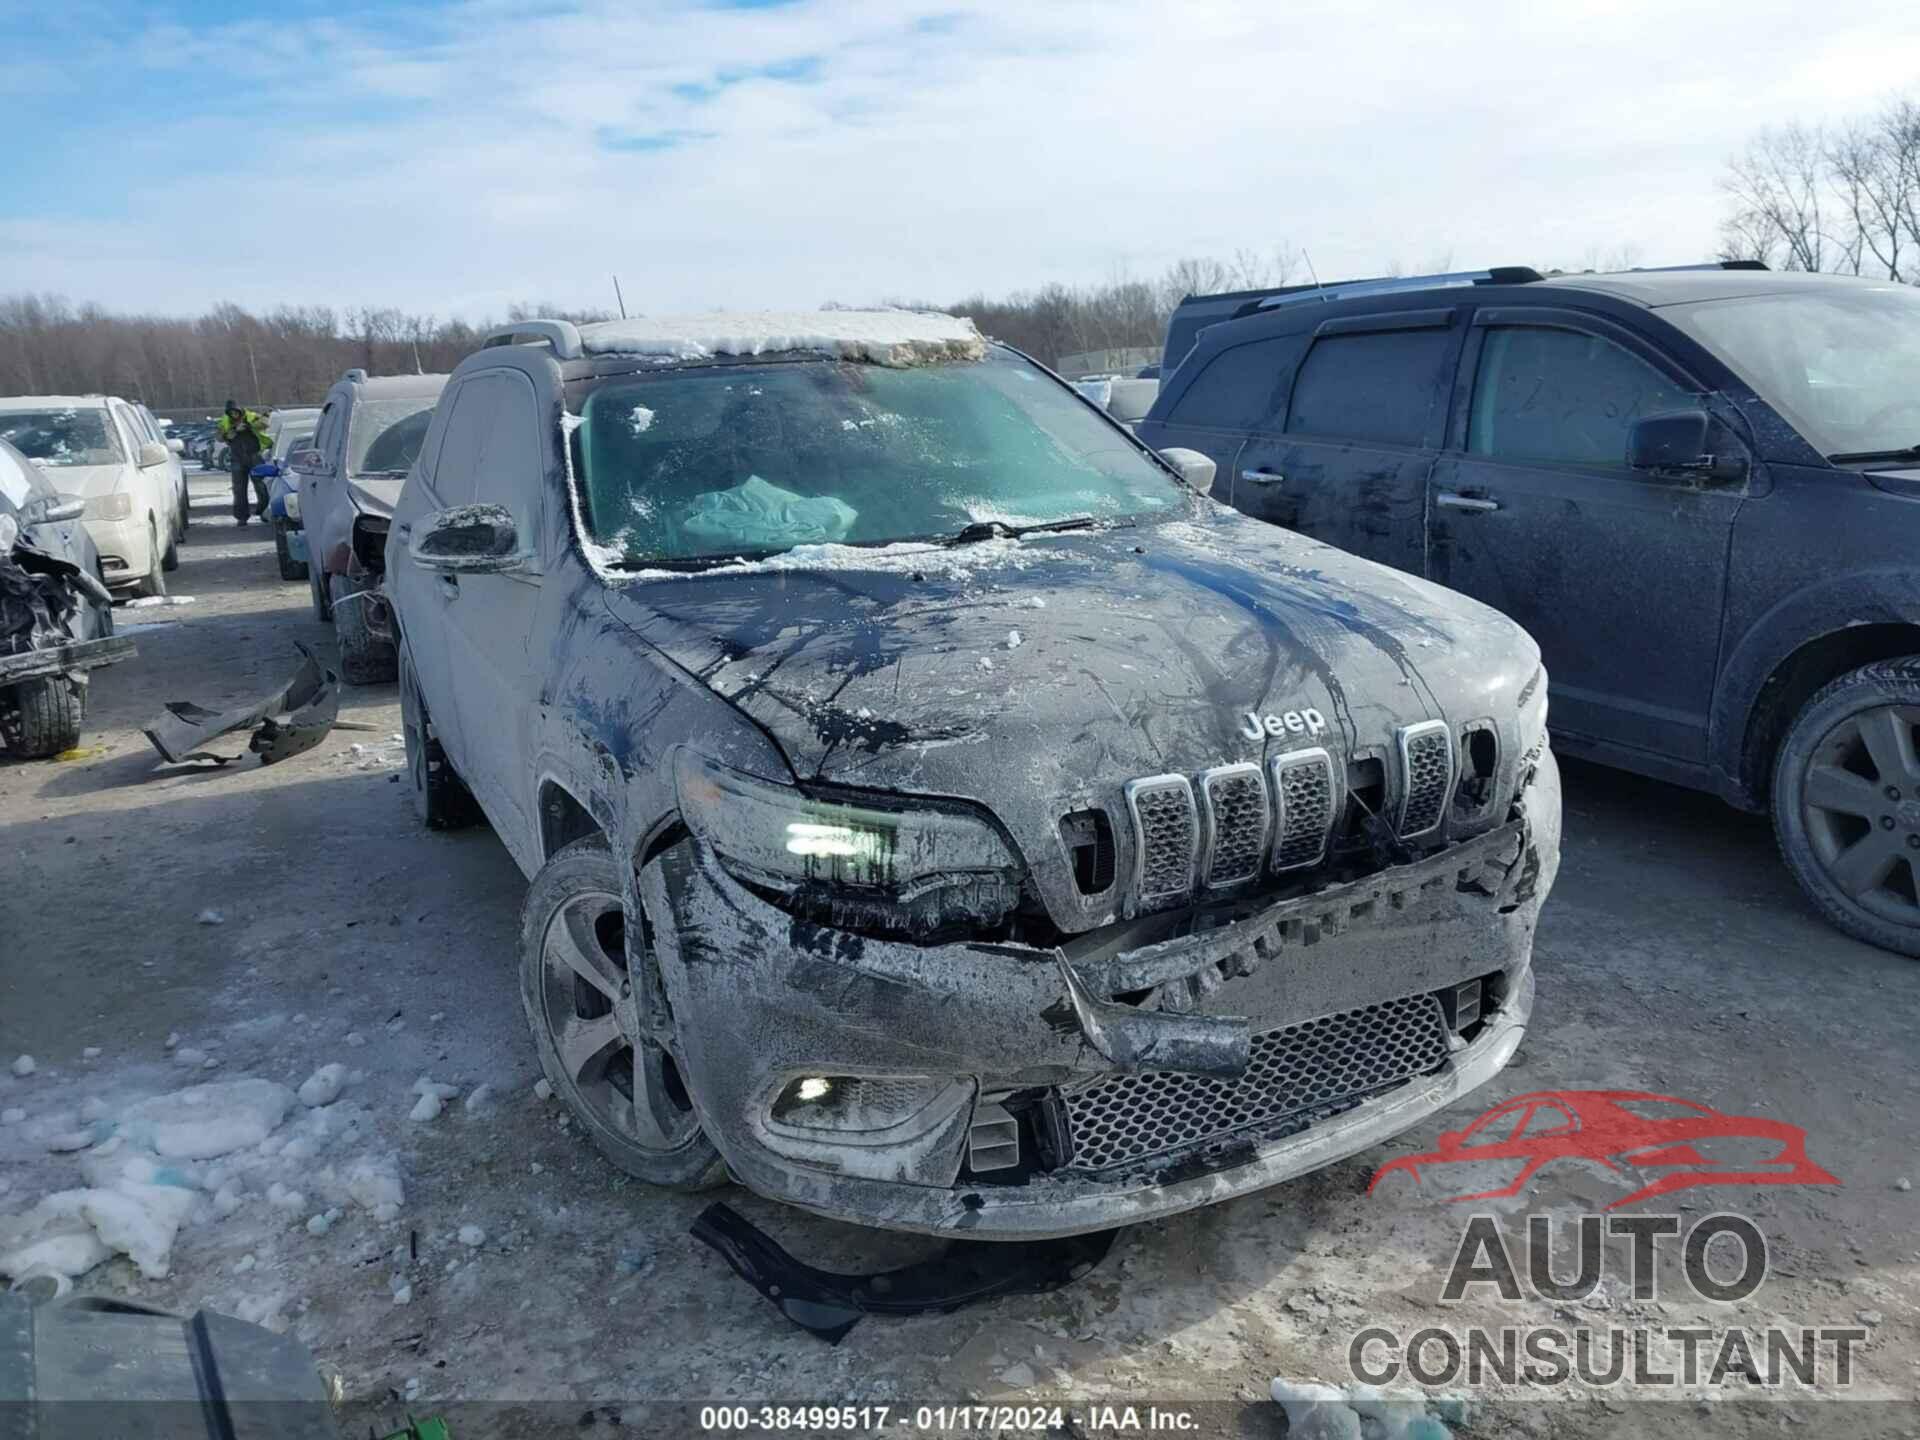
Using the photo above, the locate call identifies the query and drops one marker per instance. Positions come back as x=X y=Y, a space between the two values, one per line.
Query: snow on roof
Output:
x=52 y=402
x=878 y=337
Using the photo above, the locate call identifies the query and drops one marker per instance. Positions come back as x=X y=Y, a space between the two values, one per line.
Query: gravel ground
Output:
x=1675 y=956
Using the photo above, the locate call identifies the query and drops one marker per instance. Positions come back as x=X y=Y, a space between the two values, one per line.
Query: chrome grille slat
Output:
x=1166 y=836
x=1234 y=798
x=1426 y=775
x=1127 y=1119
x=1304 y=795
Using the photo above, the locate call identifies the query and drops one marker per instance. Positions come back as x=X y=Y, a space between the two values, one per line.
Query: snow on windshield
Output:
x=70 y=436
x=878 y=337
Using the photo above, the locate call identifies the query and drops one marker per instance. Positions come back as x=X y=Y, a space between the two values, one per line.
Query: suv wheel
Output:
x=593 y=1024
x=440 y=798
x=1846 y=802
x=364 y=658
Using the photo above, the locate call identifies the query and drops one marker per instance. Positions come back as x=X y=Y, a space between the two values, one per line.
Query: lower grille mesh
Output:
x=1130 y=1118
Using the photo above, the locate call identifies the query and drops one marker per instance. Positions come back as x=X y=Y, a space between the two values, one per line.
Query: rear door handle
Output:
x=449 y=587
x=1451 y=500
x=1262 y=477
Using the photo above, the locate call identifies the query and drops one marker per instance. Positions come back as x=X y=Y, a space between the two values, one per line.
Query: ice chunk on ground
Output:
x=543 y=1090
x=228 y=1197
x=323 y=1086
x=188 y=1055
x=173 y=1039
x=141 y=1221
x=433 y=1098
x=472 y=1236
x=1013 y=640
x=24 y=1066
x=403 y=1294
x=53 y=1237
x=282 y=1198
x=211 y=917
x=373 y=1182
x=92 y=1052
x=478 y=1098
x=323 y=1222
x=206 y=1121
x=880 y=337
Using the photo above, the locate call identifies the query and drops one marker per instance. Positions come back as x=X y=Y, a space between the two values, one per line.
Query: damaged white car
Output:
x=940 y=816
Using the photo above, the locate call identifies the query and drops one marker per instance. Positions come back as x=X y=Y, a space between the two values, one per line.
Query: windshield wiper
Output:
x=1001 y=530
x=1911 y=452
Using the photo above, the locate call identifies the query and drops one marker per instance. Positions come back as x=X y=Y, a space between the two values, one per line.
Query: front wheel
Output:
x=365 y=659
x=42 y=717
x=440 y=798
x=1846 y=803
x=155 y=582
x=604 y=1048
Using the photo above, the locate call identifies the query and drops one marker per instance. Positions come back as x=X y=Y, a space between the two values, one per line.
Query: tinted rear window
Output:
x=1380 y=386
x=1244 y=388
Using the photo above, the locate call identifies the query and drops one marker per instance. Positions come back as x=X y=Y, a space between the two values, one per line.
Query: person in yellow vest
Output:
x=245 y=432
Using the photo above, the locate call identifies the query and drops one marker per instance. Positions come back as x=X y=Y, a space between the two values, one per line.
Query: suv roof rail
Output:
x=562 y=335
x=1388 y=285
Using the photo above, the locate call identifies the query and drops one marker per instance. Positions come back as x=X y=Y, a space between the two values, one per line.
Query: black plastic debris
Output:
x=292 y=720
x=966 y=1271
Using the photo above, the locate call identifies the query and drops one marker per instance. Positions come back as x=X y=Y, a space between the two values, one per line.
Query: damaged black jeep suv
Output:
x=941 y=815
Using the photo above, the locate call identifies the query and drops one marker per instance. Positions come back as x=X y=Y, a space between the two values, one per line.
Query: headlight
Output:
x=117 y=506
x=292 y=504
x=912 y=873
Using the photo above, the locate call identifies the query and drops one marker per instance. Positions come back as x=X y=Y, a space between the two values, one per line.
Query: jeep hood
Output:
x=1039 y=668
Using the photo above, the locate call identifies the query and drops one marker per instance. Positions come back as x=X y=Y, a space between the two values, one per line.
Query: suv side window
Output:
x=1377 y=385
x=1244 y=388
x=463 y=446
x=1563 y=397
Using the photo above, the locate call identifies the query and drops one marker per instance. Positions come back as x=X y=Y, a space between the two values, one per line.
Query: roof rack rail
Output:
x=1388 y=285
x=1697 y=265
x=562 y=335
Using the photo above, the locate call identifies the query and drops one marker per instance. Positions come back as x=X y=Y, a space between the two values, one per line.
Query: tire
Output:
x=574 y=906
x=440 y=798
x=364 y=659
x=186 y=508
x=170 y=558
x=290 y=568
x=317 y=588
x=156 y=581
x=1846 y=803
x=42 y=717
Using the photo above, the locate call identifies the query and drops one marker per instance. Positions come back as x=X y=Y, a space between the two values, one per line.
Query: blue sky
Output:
x=453 y=156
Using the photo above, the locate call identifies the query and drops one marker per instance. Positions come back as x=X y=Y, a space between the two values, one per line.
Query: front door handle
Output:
x=449 y=587
x=1262 y=477
x=1450 y=500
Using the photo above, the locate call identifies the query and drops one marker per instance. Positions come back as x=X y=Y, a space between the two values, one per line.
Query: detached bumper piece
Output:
x=289 y=722
x=829 y=1305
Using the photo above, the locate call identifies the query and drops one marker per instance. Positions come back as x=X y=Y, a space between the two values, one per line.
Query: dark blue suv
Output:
x=1690 y=485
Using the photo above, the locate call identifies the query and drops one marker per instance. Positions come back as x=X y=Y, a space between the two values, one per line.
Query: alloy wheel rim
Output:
x=1860 y=800
x=608 y=1055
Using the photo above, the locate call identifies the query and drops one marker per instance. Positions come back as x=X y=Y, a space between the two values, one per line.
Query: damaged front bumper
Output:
x=1007 y=1091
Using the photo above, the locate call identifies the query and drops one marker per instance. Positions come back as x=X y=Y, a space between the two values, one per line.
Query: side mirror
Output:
x=178 y=447
x=1676 y=441
x=1196 y=469
x=152 y=453
x=309 y=462
x=473 y=539
x=51 y=509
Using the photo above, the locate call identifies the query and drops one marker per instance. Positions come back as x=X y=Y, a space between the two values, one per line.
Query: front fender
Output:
x=1822 y=610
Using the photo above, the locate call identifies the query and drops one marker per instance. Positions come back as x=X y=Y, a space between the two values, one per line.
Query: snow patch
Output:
x=878 y=337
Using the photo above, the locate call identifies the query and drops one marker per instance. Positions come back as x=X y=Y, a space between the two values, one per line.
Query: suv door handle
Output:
x=1262 y=477
x=1452 y=500
x=449 y=587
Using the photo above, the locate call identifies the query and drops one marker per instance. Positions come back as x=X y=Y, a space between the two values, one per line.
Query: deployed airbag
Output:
x=759 y=515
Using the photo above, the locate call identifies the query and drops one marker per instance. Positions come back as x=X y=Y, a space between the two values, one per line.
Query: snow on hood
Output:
x=877 y=337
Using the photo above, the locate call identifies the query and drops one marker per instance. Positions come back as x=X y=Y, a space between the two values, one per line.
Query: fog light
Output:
x=853 y=1103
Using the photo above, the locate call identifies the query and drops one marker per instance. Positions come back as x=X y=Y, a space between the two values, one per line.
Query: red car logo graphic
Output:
x=1673 y=1144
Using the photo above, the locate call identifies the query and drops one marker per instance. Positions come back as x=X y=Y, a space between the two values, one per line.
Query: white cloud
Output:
x=938 y=147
